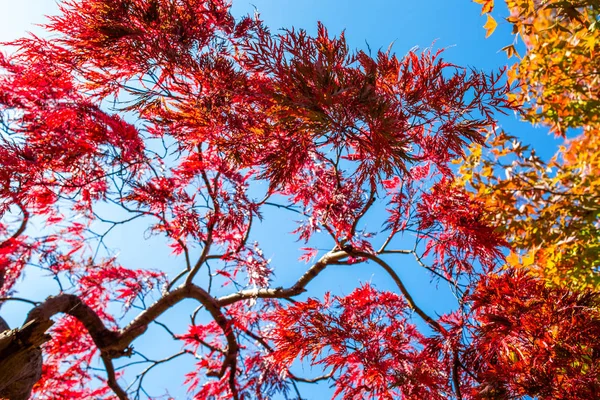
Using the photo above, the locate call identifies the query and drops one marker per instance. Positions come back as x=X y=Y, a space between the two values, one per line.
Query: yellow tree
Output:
x=550 y=209
x=560 y=71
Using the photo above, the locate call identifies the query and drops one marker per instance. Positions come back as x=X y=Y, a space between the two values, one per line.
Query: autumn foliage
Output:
x=175 y=114
x=550 y=208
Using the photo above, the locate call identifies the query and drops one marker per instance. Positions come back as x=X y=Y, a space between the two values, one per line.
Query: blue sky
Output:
x=452 y=24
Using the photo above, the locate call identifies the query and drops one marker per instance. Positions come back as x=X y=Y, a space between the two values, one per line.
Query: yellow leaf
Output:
x=529 y=259
x=487 y=171
x=490 y=25
x=512 y=259
x=591 y=43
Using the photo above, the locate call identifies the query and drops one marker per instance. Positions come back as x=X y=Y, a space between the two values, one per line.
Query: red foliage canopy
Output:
x=173 y=113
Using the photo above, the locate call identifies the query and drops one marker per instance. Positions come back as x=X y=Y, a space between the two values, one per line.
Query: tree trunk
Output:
x=21 y=358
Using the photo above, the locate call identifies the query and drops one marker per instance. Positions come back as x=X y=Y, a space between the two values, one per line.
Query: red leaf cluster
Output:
x=366 y=340
x=534 y=341
x=174 y=114
x=462 y=234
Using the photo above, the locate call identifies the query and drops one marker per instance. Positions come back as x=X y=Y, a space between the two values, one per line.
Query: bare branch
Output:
x=21 y=228
x=112 y=380
x=456 y=376
x=387 y=241
x=140 y=377
x=72 y=305
x=311 y=380
x=294 y=290
x=364 y=210
x=204 y=255
x=33 y=303
x=395 y=252
x=113 y=344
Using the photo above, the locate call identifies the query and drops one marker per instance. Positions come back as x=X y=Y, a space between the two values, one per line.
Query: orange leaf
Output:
x=490 y=26
x=510 y=50
x=486 y=5
x=512 y=74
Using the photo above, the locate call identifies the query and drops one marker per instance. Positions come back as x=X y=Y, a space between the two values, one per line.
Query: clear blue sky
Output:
x=452 y=24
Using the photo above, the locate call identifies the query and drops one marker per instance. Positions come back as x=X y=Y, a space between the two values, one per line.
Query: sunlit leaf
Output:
x=490 y=25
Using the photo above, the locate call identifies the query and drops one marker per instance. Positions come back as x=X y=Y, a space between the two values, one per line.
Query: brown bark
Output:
x=21 y=358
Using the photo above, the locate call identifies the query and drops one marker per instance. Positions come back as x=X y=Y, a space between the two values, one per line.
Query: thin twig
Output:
x=33 y=303
x=433 y=323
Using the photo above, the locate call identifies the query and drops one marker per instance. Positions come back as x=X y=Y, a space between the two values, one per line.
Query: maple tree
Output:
x=550 y=209
x=173 y=113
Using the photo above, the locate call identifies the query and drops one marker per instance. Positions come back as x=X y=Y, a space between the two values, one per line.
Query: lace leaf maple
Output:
x=174 y=115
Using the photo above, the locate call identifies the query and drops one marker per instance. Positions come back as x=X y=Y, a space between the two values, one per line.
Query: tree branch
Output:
x=294 y=290
x=21 y=228
x=112 y=344
x=112 y=379
x=364 y=210
x=72 y=305
x=456 y=376
x=33 y=303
